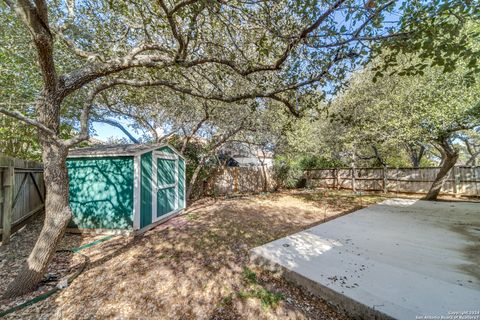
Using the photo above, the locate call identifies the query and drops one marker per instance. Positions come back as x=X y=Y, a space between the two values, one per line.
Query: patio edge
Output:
x=350 y=307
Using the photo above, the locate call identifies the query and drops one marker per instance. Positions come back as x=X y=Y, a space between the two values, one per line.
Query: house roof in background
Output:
x=265 y=154
x=115 y=150
x=245 y=150
x=95 y=141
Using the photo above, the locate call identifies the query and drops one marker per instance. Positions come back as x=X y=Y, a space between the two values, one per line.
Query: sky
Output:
x=105 y=132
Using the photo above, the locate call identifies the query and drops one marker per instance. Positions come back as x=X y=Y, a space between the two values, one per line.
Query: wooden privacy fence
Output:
x=22 y=193
x=227 y=180
x=461 y=180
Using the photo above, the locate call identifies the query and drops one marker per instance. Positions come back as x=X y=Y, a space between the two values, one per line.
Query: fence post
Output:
x=334 y=178
x=476 y=176
x=385 y=179
x=337 y=176
x=353 y=179
x=396 y=181
x=456 y=182
x=8 y=178
x=235 y=179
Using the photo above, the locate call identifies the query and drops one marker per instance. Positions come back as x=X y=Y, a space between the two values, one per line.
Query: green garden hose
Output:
x=60 y=286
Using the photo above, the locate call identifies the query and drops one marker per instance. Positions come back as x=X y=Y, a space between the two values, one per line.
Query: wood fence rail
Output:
x=22 y=193
x=462 y=181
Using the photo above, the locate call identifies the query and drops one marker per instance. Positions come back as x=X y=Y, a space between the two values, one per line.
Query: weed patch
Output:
x=267 y=298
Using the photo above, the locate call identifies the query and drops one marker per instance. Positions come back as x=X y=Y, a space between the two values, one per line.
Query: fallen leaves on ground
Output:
x=192 y=267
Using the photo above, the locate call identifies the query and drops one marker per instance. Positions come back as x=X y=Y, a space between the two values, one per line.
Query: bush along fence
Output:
x=462 y=181
x=22 y=193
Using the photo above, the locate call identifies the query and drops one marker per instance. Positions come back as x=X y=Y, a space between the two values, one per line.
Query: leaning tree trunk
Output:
x=57 y=217
x=193 y=180
x=449 y=158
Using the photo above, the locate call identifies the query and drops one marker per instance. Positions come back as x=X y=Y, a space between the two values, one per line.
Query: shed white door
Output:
x=165 y=185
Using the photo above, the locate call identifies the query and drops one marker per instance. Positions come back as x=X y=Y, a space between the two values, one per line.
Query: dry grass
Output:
x=196 y=266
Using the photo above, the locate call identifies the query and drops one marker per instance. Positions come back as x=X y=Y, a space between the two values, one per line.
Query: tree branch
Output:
x=182 y=4
x=83 y=134
x=234 y=98
x=174 y=27
x=35 y=18
x=80 y=77
x=77 y=78
x=166 y=136
x=76 y=50
x=42 y=11
x=195 y=130
x=17 y=115
x=85 y=116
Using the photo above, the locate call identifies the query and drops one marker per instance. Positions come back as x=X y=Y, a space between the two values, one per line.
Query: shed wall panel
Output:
x=101 y=192
x=181 y=183
x=146 y=189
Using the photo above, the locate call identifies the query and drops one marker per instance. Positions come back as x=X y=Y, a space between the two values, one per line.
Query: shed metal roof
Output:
x=115 y=150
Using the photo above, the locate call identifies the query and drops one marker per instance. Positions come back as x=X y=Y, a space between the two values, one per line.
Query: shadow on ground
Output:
x=196 y=266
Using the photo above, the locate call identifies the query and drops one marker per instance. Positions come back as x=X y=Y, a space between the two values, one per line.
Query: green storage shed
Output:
x=125 y=187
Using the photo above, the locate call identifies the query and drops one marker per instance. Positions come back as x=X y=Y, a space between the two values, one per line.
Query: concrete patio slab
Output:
x=401 y=259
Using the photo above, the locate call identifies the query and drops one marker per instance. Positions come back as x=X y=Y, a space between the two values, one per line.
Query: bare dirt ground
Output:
x=195 y=266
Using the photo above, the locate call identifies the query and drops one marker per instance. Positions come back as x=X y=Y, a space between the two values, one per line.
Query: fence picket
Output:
x=22 y=193
x=8 y=181
x=463 y=181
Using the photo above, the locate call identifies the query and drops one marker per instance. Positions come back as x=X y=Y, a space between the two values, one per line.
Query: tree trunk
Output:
x=416 y=154
x=194 y=179
x=264 y=172
x=378 y=156
x=57 y=217
x=449 y=158
x=472 y=161
x=265 y=181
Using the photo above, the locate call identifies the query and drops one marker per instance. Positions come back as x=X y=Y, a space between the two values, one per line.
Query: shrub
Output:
x=289 y=172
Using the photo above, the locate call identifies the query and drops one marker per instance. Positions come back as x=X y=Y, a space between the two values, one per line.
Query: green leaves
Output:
x=441 y=32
